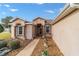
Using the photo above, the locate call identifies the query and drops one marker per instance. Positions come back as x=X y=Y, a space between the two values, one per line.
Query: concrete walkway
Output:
x=27 y=51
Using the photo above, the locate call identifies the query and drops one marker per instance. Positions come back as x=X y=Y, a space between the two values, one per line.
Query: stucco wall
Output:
x=18 y=21
x=39 y=21
x=66 y=34
x=13 y=30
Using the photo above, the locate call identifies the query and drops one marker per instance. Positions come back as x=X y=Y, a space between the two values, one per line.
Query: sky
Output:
x=30 y=11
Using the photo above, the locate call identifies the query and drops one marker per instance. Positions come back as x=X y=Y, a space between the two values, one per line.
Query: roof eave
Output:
x=66 y=10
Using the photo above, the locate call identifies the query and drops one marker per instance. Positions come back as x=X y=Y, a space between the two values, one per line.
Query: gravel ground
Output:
x=52 y=49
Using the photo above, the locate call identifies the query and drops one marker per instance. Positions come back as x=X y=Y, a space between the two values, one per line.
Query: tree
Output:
x=6 y=21
x=1 y=28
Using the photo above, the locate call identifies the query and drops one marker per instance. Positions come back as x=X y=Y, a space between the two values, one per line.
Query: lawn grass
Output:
x=5 y=35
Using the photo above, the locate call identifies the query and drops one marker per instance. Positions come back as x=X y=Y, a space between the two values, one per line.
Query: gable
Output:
x=18 y=21
x=39 y=21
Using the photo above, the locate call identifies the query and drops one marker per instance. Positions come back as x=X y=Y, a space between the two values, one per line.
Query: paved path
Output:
x=27 y=51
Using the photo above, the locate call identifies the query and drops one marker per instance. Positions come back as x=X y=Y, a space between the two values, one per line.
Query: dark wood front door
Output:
x=39 y=30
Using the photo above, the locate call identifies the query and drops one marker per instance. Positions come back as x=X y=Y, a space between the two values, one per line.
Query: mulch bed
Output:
x=23 y=43
x=39 y=48
x=52 y=49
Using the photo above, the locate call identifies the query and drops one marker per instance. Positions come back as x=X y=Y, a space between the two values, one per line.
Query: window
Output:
x=20 y=29
x=47 y=28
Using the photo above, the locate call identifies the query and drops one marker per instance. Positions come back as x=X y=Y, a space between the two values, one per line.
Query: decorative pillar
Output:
x=13 y=32
x=33 y=31
x=24 y=33
x=43 y=29
x=50 y=28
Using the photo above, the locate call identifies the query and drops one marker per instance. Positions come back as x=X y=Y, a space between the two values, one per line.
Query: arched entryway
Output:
x=38 y=30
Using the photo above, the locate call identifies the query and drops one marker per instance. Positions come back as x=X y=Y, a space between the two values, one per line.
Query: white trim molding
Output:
x=17 y=30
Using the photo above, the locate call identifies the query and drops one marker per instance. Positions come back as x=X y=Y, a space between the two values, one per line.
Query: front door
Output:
x=39 y=30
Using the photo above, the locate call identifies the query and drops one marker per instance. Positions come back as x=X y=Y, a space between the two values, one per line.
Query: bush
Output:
x=3 y=43
x=13 y=44
x=1 y=28
x=45 y=53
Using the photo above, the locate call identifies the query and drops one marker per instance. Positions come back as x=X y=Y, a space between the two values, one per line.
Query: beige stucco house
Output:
x=21 y=29
x=65 y=30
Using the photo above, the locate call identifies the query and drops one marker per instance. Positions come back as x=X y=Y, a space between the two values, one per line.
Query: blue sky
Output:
x=29 y=11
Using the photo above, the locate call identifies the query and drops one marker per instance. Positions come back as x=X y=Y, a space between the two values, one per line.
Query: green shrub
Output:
x=13 y=44
x=1 y=28
x=3 y=43
x=45 y=53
